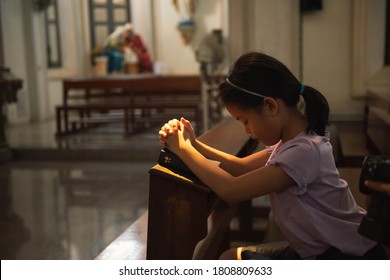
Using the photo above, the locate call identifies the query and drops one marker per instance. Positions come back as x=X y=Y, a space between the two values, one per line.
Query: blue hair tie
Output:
x=302 y=89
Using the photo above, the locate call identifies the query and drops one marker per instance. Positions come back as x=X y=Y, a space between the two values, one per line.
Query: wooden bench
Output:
x=128 y=114
x=185 y=219
x=377 y=121
x=138 y=98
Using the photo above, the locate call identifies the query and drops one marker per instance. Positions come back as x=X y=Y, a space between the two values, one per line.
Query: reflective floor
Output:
x=69 y=197
x=54 y=207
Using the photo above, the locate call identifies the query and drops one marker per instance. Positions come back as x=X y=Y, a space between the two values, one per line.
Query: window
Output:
x=53 y=40
x=105 y=16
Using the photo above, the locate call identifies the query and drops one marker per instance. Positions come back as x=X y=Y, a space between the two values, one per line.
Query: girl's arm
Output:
x=232 y=164
x=230 y=188
x=378 y=186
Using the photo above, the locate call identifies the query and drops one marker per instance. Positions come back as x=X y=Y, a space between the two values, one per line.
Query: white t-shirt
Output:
x=319 y=211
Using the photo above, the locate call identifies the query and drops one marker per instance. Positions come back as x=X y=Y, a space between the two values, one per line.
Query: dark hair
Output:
x=263 y=74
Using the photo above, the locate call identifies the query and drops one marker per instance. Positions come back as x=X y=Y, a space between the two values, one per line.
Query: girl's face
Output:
x=261 y=123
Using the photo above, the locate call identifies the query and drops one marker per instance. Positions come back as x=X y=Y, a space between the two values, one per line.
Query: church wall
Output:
x=327 y=55
x=170 y=49
x=326 y=58
x=328 y=52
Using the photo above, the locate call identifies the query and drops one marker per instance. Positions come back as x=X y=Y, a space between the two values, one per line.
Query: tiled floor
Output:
x=58 y=207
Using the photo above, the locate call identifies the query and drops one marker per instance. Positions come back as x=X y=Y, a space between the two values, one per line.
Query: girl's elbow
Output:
x=226 y=190
x=229 y=197
x=231 y=200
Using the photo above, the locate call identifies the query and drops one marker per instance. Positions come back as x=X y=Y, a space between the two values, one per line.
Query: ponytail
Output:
x=316 y=111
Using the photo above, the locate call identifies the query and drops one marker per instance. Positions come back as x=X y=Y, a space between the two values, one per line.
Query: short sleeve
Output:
x=300 y=159
x=270 y=149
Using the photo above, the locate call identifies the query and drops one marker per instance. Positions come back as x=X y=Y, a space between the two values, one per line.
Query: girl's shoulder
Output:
x=305 y=142
x=309 y=137
x=302 y=142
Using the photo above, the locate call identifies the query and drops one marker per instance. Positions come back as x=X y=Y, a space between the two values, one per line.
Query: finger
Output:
x=186 y=123
x=377 y=186
x=167 y=128
x=382 y=188
x=162 y=143
x=183 y=120
x=371 y=184
x=181 y=126
x=162 y=134
x=174 y=124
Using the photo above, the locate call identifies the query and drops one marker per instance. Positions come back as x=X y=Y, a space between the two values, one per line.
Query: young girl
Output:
x=312 y=206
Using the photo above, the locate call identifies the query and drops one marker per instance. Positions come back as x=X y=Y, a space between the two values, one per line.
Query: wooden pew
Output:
x=185 y=219
x=377 y=121
x=149 y=94
x=183 y=212
x=128 y=117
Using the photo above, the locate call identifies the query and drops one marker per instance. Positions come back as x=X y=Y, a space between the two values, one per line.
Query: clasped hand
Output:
x=176 y=135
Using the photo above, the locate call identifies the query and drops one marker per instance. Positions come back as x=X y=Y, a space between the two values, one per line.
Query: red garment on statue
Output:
x=136 y=44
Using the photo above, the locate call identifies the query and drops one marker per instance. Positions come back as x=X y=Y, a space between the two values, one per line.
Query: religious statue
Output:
x=125 y=47
x=186 y=25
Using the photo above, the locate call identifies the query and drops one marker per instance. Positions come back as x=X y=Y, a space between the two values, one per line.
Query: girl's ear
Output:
x=270 y=105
